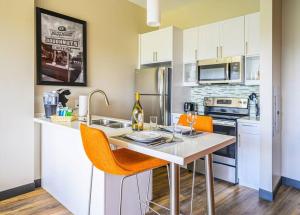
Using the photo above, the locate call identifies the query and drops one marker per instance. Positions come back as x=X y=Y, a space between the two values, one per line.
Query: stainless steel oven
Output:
x=225 y=112
x=221 y=71
x=229 y=151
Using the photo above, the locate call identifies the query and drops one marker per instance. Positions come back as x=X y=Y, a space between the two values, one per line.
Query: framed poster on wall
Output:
x=61 y=49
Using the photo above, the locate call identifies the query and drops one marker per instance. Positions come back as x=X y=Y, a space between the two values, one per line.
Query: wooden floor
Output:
x=230 y=200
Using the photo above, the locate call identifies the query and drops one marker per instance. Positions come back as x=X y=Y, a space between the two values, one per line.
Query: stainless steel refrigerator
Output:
x=154 y=85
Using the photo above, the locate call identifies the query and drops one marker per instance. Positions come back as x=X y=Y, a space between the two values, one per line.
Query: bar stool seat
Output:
x=137 y=162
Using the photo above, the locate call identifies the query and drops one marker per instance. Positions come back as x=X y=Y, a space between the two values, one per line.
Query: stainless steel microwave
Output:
x=221 y=71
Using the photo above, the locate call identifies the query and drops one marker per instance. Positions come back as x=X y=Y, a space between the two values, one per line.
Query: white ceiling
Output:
x=165 y=4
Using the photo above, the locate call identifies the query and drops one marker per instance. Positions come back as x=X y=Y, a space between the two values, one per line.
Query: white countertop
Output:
x=76 y=125
x=247 y=119
x=182 y=153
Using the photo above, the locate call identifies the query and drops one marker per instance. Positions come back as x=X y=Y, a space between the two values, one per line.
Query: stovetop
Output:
x=225 y=111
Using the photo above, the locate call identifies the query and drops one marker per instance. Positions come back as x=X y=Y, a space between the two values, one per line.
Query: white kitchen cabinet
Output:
x=252 y=70
x=164 y=45
x=208 y=41
x=156 y=46
x=190 y=74
x=147 y=49
x=190 y=45
x=249 y=154
x=252 y=34
x=190 y=57
x=232 y=37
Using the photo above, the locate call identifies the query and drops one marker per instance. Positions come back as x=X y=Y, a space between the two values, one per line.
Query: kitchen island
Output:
x=66 y=172
x=62 y=147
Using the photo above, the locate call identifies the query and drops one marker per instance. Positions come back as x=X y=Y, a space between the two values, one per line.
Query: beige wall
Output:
x=112 y=50
x=207 y=11
x=16 y=92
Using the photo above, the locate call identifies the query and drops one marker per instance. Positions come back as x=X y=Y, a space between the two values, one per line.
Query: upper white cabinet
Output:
x=222 y=39
x=190 y=45
x=190 y=57
x=232 y=37
x=208 y=40
x=252 y=34
x=164 y=45
x=147 y=50
x=157 y=46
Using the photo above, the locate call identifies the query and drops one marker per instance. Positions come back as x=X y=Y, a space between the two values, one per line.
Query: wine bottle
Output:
x=137 y=116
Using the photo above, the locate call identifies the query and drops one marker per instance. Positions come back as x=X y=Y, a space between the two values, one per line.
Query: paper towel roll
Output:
x=82 y=106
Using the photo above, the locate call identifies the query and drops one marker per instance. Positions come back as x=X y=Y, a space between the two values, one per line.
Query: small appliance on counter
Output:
x=55 y=105
x=253 y=106
x=82 y=107
x=50 y=100
x=62 y=93
x=190 y=106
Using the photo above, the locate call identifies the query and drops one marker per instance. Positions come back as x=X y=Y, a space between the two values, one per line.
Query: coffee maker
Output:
x=190 y=106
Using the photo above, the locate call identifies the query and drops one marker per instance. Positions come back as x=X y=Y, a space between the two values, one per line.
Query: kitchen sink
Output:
x=119 y=125
x=111 y=123
x=103 y=122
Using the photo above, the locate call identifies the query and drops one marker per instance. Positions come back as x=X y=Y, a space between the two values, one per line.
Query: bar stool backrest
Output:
x=97 y=148
x=202 y=123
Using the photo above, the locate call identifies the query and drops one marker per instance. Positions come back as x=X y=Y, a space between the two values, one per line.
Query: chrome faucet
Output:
x=89 y=116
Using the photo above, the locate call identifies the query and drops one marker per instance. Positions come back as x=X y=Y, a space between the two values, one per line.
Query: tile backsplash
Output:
x=200 y=92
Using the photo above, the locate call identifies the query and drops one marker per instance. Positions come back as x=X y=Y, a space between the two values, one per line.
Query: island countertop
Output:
x=182 y=153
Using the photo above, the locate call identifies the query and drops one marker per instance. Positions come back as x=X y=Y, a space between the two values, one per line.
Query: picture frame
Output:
x=61 y=53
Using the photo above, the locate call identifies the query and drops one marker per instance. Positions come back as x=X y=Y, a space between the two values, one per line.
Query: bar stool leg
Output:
x=140 y=202
x=121 y=195
x=148 y=189
x=91 y=186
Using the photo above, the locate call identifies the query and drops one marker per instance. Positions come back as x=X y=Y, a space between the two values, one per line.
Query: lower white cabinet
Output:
x=249 y=153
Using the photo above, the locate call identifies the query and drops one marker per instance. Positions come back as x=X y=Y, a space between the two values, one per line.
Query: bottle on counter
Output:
x=59 y=109
x=137 y=116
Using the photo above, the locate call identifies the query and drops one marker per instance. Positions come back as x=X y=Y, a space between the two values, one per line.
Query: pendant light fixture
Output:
x=153 y=13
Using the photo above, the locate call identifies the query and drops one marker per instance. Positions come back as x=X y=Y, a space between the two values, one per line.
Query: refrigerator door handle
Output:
x=161 y=108
x=160 y=81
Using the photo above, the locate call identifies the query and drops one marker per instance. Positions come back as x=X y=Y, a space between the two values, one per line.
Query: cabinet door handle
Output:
x=221 y=51
x=196 y=54
x=246 y=47
x=239 y=140
x=153 y=57
x=217 y=52
x=156 y=56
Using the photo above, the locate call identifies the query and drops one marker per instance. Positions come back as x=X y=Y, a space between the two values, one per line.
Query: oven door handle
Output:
x=228 y=71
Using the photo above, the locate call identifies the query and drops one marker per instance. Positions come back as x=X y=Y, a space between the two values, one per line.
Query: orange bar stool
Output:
x=117 y=162
x=204 y=124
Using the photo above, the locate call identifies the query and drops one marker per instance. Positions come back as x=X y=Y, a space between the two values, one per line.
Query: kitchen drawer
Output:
x=249 y=128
